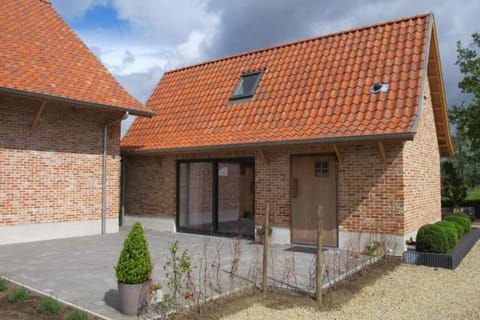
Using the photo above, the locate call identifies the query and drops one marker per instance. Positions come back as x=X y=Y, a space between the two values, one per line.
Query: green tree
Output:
x=467 y=115
x=453 y=186
x=465 y=160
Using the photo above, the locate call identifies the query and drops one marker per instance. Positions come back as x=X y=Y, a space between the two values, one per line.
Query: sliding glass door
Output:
x=195 y=194
x=235 y=198
x=216 y=196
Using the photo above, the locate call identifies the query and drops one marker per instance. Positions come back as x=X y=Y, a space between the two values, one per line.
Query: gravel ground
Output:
x=408 y=292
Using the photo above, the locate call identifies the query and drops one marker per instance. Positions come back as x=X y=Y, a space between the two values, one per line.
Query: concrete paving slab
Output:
x=80 y=270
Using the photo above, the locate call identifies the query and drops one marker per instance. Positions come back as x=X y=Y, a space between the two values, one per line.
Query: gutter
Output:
x=44 y=96
x=104 y=171
x=338 y=139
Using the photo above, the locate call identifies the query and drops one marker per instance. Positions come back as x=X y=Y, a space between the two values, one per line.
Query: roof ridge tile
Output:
x=306 y=40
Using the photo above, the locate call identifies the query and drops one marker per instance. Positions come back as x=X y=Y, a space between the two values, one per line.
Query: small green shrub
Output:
x=459 y=227
x=177 y=268
x=373 y=248
x=460 y=214
x=432 y=238
x=3 y=284
x=461 y=220
x=450 y=230
x=261 y=232
x=134 y=263
x=77 y=315
x=49 y=306
x=18 y=294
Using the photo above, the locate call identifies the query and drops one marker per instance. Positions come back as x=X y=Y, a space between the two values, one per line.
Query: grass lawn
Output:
x=473 y=194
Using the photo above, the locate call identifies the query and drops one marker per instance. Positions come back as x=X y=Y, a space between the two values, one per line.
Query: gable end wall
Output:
x=421 y=159
x=51 y=175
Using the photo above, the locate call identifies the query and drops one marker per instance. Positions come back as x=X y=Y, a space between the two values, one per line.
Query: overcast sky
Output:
x=138 y=40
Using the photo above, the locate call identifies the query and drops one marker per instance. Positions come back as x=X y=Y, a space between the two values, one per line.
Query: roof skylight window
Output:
x=246 y=85
x=378 y=87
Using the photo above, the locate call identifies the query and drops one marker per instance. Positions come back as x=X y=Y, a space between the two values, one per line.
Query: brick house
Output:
x=57 y=104
x=354 y=121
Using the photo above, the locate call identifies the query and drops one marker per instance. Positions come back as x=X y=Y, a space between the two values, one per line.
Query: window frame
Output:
x=323 y=169
x=259 y=74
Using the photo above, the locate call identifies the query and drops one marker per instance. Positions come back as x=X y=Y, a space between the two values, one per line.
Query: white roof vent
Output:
x=378 y=87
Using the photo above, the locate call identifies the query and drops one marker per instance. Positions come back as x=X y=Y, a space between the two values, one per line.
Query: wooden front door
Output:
x=313 y=183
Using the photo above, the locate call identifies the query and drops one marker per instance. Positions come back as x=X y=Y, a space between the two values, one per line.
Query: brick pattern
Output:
x=422 y=171
x=150 y=185
x=151 y=190
x=370 y=192
x=395 y=197
x=53 y=172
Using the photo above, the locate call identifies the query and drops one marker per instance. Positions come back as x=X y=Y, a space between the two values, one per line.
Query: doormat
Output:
x=304 y=249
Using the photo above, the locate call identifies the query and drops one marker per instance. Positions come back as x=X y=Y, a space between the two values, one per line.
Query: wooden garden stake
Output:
x=319 y=272
x=265 y=249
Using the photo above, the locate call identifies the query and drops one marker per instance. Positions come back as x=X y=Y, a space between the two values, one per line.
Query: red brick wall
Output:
x=393 y=197
x=150 y=185
x=370 y=192
x=53 y=172
x=422 y=172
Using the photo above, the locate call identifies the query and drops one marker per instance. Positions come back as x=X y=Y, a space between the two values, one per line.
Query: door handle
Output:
x=294 y=188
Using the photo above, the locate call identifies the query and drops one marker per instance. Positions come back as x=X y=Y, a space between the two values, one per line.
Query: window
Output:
x=378 y=87
x=246 y=85
x=321 y=168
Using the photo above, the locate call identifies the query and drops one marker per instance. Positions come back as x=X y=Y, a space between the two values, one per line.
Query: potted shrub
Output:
x=133 y=271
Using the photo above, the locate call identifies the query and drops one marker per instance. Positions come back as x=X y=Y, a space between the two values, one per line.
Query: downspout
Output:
x=104 y=171
x=122 y=200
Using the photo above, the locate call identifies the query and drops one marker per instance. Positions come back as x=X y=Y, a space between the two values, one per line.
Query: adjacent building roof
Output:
x=315 y=90
x=42 y=57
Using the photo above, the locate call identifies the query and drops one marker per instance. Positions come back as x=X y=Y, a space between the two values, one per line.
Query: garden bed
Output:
x=30 y=306
x=449 y=260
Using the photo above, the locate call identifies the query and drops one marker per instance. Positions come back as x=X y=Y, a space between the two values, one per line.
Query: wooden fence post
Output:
x=266 y=227
x=319 y=273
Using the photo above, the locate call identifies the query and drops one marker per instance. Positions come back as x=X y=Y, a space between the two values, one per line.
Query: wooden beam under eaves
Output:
x=158 y=160
x=262 y=156
x=383 y=152
x=339 y=155
x=38 y=114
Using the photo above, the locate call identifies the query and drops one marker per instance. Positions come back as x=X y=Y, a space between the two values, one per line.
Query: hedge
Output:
x=461 y=214
x=450 y=230
x=432 y=238
x=461 y=219
x=458 y=226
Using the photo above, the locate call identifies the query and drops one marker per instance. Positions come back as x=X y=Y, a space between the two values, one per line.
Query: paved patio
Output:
x=80 y=270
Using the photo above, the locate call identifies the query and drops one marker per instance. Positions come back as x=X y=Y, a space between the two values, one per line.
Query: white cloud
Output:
x=161 y=35
x=124 y=53
x=76 y=8
x=170 y=22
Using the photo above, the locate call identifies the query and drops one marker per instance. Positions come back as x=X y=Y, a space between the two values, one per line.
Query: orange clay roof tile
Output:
x=42 y=56
x=311 y=89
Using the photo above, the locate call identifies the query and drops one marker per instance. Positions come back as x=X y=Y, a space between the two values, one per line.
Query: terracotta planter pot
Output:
x=133 y=297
